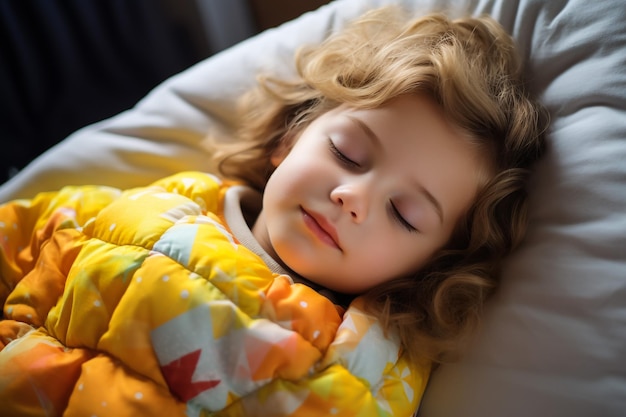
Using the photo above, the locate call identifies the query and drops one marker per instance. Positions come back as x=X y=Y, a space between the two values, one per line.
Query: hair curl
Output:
x=470 y=67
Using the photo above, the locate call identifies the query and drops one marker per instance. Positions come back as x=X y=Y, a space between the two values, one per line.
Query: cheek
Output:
x=383 y=252
x=400 y=253
x=290 y=184
x=301 y=174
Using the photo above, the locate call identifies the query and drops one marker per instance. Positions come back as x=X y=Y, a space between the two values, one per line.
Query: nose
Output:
x=353 y=200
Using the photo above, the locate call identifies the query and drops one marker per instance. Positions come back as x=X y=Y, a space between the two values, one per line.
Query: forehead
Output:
x=412 y=121
x=405 y=121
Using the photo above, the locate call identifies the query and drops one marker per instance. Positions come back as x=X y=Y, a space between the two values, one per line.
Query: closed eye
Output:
x=341 y=157
x=395 y=213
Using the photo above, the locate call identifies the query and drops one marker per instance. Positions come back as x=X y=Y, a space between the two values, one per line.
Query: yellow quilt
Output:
x=141 y=303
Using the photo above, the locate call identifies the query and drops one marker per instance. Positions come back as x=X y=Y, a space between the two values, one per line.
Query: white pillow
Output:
x=554 y=342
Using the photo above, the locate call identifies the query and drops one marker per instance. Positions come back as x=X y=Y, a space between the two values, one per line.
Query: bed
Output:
x=554 y=337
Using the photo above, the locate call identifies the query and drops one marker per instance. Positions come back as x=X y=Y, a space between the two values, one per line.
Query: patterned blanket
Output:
x=142 y=303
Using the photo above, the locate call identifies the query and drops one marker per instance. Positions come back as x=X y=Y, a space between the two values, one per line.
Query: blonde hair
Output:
x=470 y=67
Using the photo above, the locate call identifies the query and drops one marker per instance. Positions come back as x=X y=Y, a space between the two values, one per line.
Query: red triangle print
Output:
x=179 y=373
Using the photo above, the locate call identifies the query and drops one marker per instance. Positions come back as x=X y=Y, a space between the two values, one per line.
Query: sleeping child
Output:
x=346 y=247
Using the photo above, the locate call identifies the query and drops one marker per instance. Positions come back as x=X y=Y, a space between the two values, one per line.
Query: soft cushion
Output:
x=554 y=339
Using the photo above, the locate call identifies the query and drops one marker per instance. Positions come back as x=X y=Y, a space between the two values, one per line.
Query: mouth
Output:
x=321 y=228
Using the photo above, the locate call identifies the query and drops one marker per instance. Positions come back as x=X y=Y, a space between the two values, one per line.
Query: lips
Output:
x=321 y=228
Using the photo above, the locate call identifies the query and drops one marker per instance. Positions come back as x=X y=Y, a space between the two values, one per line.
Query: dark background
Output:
x=65 y=64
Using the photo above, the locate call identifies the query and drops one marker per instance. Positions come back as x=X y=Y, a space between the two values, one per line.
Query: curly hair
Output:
x=470 y=67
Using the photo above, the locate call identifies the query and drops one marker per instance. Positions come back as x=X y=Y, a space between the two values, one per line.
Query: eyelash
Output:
x=401 y=220
x=345 y=161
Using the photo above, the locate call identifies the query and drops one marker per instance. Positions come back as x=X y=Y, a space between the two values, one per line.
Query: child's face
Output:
x=365 y=196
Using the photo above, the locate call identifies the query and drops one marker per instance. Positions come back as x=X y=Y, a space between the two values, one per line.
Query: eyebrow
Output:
x=368 y=132
x=377 y=143
x=435 y=203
